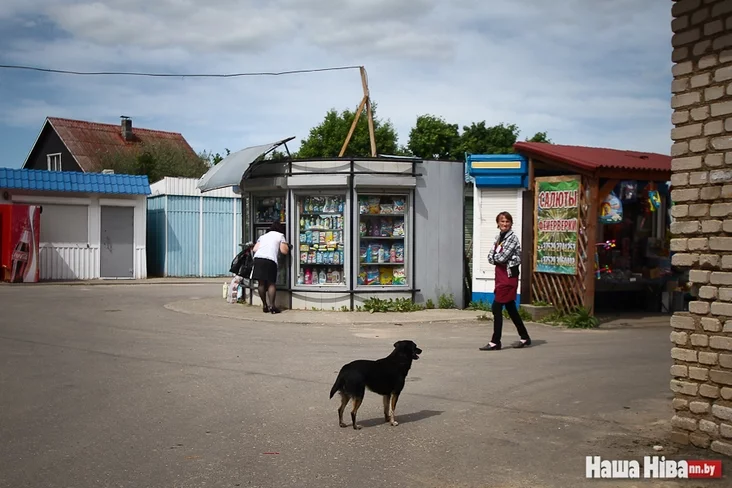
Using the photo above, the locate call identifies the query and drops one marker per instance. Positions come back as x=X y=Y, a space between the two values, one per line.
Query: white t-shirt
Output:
x=269 y=245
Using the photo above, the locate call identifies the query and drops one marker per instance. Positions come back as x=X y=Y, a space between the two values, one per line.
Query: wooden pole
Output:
x=353 y=127
x=591 y=230
x=367 y=97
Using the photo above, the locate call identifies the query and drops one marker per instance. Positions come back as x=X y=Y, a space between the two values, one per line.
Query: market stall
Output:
x=385 y=227
x=600 y=235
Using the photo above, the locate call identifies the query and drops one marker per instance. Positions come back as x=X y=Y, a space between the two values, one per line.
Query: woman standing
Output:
x=506 y=257
x=266 y=252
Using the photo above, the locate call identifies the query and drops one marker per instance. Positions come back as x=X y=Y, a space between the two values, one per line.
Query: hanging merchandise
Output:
x=654 y=200
x=628 y=191
x=611 y=210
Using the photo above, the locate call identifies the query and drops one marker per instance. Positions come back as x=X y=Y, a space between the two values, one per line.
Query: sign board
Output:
x=556 y=207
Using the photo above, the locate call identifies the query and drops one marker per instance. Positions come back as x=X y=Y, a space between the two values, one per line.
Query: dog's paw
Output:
x=394 y=423
x=357 y=427
x=343 y=424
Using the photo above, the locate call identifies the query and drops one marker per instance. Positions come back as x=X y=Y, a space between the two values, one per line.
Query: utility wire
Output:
x=172 y=75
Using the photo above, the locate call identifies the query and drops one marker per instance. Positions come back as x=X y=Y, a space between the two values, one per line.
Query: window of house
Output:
x=54 y=162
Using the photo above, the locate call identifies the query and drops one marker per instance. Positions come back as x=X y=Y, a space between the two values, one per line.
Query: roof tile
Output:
x=72 y=181
x=591 y=158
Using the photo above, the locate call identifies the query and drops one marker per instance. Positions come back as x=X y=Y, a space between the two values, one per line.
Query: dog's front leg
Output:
x=394 y=398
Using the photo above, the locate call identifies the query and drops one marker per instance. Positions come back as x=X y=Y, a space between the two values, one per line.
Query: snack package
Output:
x=309 y=236
x=363 y=205
x=311 y=257
x=303 y=257
x=381 y=255
x=362 y=228
x=363 y=253
x=387 y=208
x=337 y=257
x=319 y=258
x=398 y=253
x=386 y=228
x=374 y=252
x=374 y=205
x=398 y=229
x=386 y=275
x=372 y=276
x=399 y=277
x=316 y=236
x=399 y=205
x=375 y=229
x=362 y=276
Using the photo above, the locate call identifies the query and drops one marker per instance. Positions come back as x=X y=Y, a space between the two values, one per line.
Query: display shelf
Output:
x=320 y=240
x=382 y=235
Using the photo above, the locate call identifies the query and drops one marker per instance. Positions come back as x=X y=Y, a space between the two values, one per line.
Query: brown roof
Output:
x=593 y=158
x=89 y=141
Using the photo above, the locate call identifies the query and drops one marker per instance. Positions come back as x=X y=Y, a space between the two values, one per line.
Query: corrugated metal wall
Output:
x=182 y=253
x=156 y=236
x=218 y=235
x=203 y=235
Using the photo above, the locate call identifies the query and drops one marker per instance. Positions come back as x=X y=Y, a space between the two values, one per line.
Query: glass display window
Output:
x=266 y=210
x=321 y=231
x=382 y=240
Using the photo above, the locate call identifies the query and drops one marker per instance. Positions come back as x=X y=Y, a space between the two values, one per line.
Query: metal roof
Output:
x=90 y=142
x=73 y=181
x=592 y=158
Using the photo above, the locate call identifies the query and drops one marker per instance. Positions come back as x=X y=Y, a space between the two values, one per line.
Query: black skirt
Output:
x=264 y=270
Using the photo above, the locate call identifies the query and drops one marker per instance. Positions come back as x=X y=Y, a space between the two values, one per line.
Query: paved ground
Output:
x=130 y=386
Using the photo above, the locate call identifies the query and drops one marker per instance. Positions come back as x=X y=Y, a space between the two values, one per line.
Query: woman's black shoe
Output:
x=489 y=347
x=265 y=309
x=520 y=344
x=274 y=310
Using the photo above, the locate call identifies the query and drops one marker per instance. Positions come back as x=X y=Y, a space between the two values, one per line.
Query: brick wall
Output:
x=701 y=189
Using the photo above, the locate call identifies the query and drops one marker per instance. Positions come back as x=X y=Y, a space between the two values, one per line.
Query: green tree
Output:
x=326 y=139
x=479 y=139
x=540 y=137
x=433 y=138
x=156 y=160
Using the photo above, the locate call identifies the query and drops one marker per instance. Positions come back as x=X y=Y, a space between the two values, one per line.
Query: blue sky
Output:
x=590 y=73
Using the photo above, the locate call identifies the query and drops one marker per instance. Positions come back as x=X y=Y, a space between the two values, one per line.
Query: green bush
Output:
x=446 y=301
x=391 y=305
x=430 y=304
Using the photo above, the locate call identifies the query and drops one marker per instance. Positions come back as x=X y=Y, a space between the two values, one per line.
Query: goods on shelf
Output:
x=378 y=253
x=382 y=275
x=322 y=276
x=270 y=209
x=321 y=204
x=382 y=227
x=381 y=205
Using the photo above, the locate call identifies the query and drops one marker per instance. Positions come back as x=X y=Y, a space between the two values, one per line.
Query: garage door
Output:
x=117 y=250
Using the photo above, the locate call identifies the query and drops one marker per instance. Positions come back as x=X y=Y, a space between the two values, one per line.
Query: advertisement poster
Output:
x=557 y=224
x=24 y=235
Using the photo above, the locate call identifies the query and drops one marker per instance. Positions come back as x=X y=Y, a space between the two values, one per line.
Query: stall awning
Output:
x=230 y=170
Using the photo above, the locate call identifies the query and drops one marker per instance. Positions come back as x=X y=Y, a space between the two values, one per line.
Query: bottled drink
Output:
x=20 y=257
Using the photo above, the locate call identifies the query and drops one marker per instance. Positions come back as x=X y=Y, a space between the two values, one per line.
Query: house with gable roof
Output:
x=77 y=145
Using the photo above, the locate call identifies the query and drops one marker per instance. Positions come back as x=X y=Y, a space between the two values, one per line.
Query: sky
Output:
x=590 y=73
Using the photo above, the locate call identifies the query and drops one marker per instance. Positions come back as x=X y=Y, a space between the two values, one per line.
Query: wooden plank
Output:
x=630 y=174
x=591 y=233
x=353 y=127
x=606 y=189
x=370 y=117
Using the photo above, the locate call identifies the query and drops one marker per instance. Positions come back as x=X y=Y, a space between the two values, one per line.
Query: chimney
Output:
x=126 y=128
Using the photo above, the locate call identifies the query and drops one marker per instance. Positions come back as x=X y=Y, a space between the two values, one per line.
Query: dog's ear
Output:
x=396 y=344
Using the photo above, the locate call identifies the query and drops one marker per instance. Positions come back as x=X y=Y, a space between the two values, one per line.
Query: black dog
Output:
x=384 y=376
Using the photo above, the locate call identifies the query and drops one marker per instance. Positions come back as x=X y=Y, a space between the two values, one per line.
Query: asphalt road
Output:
x=101 y=386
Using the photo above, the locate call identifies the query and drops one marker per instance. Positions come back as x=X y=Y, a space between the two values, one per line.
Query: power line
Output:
x=173 y=75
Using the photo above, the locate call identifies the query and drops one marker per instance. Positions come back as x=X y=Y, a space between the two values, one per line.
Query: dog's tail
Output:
x=337 y=385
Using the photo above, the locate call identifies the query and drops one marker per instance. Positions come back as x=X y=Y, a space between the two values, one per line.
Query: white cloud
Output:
x=591 y=73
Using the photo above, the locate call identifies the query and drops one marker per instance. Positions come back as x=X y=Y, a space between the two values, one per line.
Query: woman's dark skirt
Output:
x=264 y=270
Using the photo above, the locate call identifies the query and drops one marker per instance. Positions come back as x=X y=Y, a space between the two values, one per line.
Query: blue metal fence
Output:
x=202 y=233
